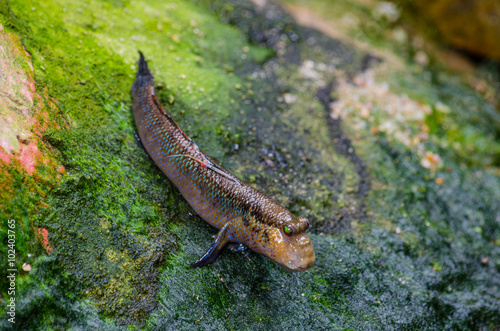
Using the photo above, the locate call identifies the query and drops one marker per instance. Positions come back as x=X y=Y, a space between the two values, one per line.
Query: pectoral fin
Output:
x=215 y=249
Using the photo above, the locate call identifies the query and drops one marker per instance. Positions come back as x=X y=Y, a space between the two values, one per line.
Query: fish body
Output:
x=242 y=214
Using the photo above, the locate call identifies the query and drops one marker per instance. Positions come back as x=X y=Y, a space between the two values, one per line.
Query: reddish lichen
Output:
x=25 y=114
x=44 y=233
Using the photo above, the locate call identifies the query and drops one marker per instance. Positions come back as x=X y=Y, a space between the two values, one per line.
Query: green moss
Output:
x=462 y=123
x=100 y=213
x=123 y=235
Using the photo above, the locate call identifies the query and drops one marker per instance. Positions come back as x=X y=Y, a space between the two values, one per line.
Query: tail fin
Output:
x=143 y=67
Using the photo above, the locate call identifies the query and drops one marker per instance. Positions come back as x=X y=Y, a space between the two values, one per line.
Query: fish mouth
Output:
x=292 y=254
x=300 y=255
x=302 y=265
x=297 y=269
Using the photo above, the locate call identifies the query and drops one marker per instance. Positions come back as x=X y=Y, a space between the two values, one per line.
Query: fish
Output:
x=245 y=217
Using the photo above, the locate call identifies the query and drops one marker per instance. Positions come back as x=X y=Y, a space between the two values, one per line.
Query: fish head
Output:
x=287 y=244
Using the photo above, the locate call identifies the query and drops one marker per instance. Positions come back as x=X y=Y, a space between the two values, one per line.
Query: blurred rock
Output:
x=471 y=25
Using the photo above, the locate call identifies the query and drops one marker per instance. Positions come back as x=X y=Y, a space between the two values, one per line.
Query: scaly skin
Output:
x=241 y=213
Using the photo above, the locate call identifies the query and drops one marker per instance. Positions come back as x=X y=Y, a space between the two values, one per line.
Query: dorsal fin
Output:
x=212 y=166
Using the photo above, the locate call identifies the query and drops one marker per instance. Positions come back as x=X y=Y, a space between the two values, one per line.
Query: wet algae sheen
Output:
x=399 y=244
x=243 y=215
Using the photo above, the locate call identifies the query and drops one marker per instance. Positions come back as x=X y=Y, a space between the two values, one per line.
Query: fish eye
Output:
x=304 y=223
x=289 y=229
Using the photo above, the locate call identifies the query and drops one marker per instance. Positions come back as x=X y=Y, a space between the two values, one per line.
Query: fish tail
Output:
x=143 y=77
x=143 y=67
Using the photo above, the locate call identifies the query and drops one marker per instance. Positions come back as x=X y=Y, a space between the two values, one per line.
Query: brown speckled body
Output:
x=241 y=213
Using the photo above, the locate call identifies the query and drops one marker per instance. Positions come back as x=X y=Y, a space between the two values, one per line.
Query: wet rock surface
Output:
x=397 y=173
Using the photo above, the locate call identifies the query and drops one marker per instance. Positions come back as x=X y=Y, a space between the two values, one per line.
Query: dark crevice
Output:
x=343 y=144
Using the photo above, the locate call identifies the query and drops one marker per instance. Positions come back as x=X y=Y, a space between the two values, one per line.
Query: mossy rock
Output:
x=397 y=172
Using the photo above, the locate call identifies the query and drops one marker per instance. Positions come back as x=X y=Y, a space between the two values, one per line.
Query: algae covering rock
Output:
x=396 y=166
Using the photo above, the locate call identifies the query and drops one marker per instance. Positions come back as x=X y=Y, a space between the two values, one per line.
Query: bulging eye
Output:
x=289 y=229
x=304 y=223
